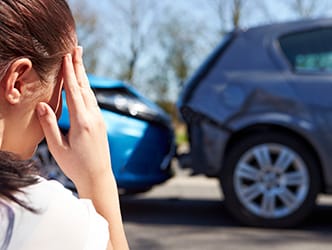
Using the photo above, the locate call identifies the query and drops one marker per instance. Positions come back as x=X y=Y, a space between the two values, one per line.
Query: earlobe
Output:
x=13 y=94
x=14 y=80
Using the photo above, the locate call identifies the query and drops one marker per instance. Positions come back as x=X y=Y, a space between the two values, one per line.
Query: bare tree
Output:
x=182 y=40
x=90 y=33
x=228 y=12
x=237 y=12
x=133 y=19
x=309 y=8
x=304 y=8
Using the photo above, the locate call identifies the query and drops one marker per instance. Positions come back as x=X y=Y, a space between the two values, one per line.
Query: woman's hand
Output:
x=83 y=154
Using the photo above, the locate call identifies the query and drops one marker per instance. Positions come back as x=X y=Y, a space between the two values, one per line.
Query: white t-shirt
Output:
x=63 y=222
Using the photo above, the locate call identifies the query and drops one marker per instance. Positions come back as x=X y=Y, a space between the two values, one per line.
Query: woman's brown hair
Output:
x=42 y=31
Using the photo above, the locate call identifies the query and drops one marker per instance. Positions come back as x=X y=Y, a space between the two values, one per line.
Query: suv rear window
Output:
x=310 y=50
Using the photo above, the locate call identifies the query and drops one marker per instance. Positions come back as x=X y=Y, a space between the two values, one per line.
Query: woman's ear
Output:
x=18 y=74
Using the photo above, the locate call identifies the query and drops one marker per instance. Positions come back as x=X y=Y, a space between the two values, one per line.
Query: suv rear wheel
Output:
x=270 y=180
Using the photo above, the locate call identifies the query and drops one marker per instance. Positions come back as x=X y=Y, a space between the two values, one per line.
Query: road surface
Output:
x=188 y=213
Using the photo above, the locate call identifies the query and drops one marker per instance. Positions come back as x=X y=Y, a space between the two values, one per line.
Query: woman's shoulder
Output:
x=45 y=190
x=60 y=216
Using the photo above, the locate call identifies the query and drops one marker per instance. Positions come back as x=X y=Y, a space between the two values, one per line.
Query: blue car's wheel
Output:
x=270 y=180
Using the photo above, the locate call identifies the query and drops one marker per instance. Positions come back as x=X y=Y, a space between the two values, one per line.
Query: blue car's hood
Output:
x=106 y=83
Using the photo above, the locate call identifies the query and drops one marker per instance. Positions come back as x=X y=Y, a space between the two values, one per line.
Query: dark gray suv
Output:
x=259 y=118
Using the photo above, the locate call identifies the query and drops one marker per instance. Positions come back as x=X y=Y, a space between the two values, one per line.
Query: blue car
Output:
x=140 y=136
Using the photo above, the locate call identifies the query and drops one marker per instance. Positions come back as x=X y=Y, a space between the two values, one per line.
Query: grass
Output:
x=181 y=136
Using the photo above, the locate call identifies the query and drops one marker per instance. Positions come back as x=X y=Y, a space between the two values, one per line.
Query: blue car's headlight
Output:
x=124 y=102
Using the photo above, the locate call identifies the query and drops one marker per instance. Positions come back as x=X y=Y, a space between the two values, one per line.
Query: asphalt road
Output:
x=188 y=213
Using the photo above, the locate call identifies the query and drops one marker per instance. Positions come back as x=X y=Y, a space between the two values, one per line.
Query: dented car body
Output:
x=255 y=109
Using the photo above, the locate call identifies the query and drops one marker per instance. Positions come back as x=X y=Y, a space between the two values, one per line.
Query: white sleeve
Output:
x=82 y=212
x=98 y=229
x=63 y=221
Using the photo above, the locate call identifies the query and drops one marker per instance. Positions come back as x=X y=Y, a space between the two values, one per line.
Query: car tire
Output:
x=270 y=180
x=49 y=168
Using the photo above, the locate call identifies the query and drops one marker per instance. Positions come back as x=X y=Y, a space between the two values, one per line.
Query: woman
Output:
x=39 y=57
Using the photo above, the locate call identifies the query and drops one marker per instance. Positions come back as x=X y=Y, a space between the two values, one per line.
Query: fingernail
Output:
x=80 y=49
x=68 y=56
x=41 y=110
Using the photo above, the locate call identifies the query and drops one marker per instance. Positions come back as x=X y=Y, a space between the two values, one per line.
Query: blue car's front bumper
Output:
x=139 y=150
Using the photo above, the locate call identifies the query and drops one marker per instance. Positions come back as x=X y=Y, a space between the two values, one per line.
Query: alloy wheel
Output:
x=271 y=180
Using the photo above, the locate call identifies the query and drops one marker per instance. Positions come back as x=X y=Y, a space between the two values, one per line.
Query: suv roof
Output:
x=264 y=51
x=278 y=29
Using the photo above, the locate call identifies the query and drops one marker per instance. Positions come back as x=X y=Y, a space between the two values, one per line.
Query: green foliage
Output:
x=170 y=108
x=181 y=136
x=180 y=130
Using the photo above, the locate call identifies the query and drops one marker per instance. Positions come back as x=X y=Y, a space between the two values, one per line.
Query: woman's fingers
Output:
x=81 y=76
x=82 y=79
x=48 y=122
x=74 y=98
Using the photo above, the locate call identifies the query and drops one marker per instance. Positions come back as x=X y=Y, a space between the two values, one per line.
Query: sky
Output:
x=256 y=12
x=278 y=9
